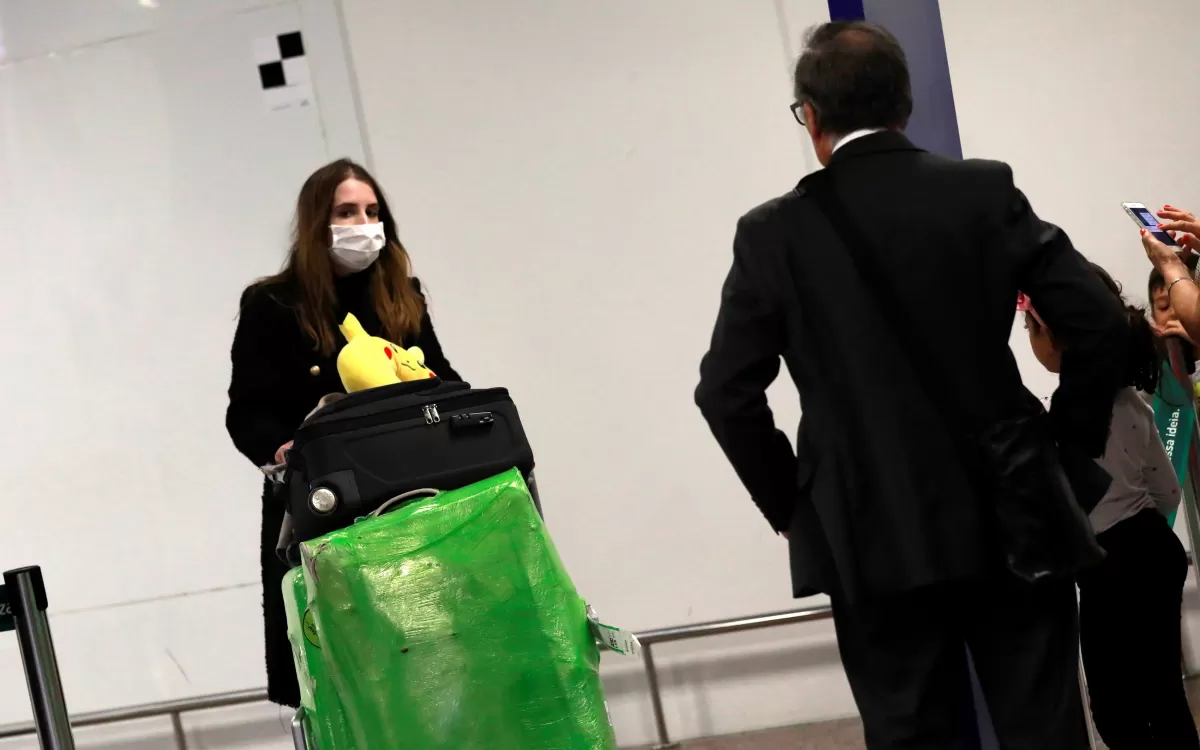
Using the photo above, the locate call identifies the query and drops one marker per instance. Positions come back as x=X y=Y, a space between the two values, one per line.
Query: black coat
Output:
x=278 y=377
x=877 y=501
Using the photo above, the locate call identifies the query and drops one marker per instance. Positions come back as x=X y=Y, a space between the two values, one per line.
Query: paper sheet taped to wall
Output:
x=283 y=71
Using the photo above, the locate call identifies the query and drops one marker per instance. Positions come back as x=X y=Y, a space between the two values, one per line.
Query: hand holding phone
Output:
x=1184 y=225
x=1146 y=219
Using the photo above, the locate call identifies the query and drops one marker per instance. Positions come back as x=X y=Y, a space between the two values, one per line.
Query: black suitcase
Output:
x=365 y=449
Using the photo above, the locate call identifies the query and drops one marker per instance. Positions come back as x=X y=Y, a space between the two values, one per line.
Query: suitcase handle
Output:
x=427 y=492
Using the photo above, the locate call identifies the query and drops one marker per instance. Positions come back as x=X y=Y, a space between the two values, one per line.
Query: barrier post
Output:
x=24 y=598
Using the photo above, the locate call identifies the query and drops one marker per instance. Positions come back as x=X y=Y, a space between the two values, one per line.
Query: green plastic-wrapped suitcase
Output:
x=322 y=717
x=447 y=623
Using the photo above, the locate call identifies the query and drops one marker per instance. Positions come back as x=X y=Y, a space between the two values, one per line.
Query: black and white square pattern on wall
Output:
x=283 y=71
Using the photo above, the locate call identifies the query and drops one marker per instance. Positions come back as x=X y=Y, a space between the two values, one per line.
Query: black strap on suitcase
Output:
x=365 y=449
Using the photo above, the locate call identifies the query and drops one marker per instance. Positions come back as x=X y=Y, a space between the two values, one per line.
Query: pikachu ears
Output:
x=351 y=328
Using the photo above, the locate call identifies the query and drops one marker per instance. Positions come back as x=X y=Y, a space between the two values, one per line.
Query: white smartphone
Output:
x=1146 y=219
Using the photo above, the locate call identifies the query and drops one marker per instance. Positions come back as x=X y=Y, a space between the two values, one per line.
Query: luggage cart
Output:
x=299 y=731
x=23 y=609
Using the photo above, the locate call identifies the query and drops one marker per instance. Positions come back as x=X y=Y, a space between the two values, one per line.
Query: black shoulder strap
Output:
x=919 y=354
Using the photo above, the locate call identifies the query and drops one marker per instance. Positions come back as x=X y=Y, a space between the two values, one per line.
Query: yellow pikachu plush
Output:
x=368 y=361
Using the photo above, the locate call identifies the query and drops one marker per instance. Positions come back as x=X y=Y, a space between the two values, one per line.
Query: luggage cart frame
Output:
x=300 y=731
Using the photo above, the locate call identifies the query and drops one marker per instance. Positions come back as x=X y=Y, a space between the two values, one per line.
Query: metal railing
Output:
x=704 y=630
x=174 y=710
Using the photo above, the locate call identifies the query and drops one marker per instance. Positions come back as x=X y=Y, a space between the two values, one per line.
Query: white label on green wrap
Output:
x=614 y=639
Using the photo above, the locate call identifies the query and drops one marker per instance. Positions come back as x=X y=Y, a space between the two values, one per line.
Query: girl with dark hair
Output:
x=1129 y=605
x=345 y=257
x=1166 y=321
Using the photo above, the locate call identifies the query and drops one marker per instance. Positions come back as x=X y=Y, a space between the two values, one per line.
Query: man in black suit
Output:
x=881 y=508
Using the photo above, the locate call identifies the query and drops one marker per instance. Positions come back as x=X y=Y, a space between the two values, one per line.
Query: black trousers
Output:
x=1129 y=612
x=282 y=685
x=905 y=658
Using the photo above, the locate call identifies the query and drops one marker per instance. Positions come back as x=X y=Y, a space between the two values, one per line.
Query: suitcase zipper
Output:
x=415 y=388
x=314 y=431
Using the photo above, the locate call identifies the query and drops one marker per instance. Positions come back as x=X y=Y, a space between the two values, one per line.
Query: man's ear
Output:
x=811 y=120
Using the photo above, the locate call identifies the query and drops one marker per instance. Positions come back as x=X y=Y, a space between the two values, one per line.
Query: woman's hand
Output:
x=1164 y=257
x=1183 y=224
x=281 y=454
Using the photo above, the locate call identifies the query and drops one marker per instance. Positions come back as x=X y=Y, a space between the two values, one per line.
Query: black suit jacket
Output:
x=877 y=500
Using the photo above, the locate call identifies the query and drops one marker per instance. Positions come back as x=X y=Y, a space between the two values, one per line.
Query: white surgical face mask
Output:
x=355 y=246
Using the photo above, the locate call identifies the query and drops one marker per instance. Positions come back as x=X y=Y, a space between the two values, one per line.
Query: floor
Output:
x=832 y=735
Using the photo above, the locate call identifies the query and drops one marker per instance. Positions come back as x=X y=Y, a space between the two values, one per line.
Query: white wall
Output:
x=1089 y=102
x=144 y=177
x=145 y=182
x=567 y=177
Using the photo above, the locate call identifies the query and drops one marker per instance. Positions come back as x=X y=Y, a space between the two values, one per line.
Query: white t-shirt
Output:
x=1142 y=474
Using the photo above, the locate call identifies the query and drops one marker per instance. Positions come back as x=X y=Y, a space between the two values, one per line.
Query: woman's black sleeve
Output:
x=256 y=387
x=435 y=358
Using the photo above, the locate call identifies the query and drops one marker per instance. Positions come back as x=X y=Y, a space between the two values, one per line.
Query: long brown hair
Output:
x=309 y=270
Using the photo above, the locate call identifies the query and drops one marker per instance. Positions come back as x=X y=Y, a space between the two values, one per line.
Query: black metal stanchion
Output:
x=26 y=595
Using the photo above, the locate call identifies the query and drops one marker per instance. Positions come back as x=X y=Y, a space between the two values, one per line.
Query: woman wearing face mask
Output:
x=345 y=258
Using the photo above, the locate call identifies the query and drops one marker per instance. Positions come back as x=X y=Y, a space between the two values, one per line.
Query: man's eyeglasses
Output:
x=798 y=112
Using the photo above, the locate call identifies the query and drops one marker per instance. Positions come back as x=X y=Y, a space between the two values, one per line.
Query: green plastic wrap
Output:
x=324 y=715
x=450 y=623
